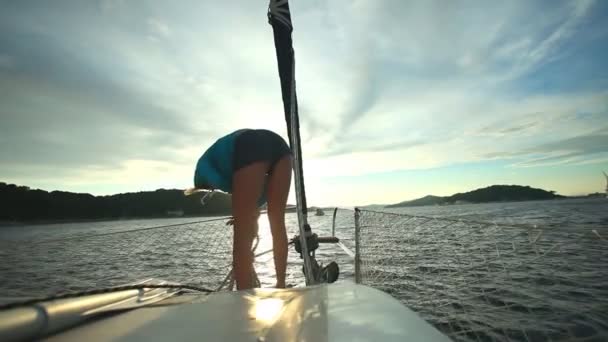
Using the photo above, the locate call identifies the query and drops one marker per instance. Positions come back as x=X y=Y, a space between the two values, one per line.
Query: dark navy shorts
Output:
x=254 y=145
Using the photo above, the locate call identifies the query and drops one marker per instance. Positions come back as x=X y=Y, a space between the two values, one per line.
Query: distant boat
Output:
x=319 y=212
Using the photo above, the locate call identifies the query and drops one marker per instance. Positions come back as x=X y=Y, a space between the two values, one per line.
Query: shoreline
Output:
x=289 y=210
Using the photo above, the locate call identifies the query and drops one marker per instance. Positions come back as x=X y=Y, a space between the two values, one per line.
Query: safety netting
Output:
x=484 y=281
x=197 y=253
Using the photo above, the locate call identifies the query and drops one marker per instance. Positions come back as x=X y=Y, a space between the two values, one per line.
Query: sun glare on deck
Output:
x=267 y=309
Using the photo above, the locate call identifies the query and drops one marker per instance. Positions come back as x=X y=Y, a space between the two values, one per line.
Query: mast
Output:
x=280 y=19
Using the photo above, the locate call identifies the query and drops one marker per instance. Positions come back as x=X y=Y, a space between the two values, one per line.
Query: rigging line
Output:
x=454 y=219
x=129 y=231
x=142 y=229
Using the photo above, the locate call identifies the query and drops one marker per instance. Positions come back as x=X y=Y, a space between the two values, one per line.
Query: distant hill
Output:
x=372 y=206
x=593 y=195
x=494 y=193
x=20 y=203
x=426 y=200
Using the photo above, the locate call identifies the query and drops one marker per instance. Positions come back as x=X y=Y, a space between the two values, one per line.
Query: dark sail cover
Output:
x=280 y=19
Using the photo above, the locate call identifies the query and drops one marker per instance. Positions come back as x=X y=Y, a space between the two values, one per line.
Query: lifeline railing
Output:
x=473 y=280
x=197 y=253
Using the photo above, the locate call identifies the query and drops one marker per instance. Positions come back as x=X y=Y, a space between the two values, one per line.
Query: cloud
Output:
x=89 y=92
x=60 y=105
x=6 y=61
x=78 y=101
x=364 y=145
x=110 y=5
x=576 y=150
x=582 y=149
x=159 y=28
x=115 y=88
x=426 y=71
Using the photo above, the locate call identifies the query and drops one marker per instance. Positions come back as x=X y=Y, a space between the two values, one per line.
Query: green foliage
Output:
x=20 y=203
x=494 y=193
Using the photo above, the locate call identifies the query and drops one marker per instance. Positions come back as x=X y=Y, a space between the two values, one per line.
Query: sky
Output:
x=398 y=99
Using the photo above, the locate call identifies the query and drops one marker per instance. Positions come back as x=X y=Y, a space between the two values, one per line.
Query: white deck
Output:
x=339 y=312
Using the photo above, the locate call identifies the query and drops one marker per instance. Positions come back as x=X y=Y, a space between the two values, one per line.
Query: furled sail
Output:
x=280 y=19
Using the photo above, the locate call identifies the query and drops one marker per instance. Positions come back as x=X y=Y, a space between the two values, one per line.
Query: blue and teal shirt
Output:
x=214 y=168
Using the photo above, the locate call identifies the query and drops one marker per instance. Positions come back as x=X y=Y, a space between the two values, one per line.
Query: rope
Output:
x=229 y=279
x=32 y=301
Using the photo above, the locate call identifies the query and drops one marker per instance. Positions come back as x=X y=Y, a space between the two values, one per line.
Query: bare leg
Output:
x=247 y=187
x=278 y=190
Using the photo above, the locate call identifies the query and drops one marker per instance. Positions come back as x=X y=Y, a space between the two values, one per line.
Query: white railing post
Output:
x=333 y=224
x=357 y=249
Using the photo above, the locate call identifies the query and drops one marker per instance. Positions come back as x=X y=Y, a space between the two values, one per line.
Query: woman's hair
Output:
x=192 y=191
x=198 y=188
